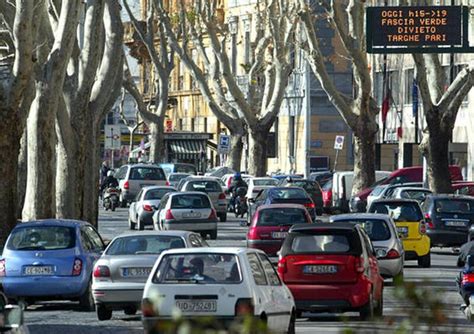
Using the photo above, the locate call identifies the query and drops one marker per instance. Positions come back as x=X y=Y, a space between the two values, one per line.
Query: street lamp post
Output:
x=233 y=29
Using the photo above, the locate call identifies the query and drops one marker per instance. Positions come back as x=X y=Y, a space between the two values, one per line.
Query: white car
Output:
x=412 y=192
x=258 y=183
x=223 y=283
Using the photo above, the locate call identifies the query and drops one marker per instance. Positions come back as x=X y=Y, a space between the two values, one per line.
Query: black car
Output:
x=449 y=218
x=276 y=195
x=321 y=177
x=312 y=188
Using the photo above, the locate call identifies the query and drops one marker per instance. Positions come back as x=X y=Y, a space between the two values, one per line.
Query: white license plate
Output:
x=38 y=270
x=197 y=305
x=191 y=215
x=279 y=235
x=455 y=223
x=402 y=231
x=136 y=272
x=320 y=269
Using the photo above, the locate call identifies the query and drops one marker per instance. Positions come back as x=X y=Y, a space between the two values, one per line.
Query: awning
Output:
x=188 y=149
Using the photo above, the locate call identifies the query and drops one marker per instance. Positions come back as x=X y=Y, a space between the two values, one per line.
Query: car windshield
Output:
x=321 y=243
x=147 y=173
x=204 y=186
x=190 y=202
x=281 y=216
x=157 y=193
x=377 y=190
x=454 y=206
x=150 y=244
x=290 y=193
x=400 y=212
x=265 y=182
x=198 y=268
x=376 y=229
x=42 y=237
x=177 y=177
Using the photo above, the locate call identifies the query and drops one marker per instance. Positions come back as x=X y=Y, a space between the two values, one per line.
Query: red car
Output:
x=463 y=188
x=331 y=268
x=270 y=225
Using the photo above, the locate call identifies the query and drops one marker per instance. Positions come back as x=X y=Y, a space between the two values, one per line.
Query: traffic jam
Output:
x=311 y=248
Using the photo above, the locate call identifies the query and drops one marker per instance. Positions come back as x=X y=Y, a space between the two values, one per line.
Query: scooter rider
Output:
x=109 y=182
x=237 y=182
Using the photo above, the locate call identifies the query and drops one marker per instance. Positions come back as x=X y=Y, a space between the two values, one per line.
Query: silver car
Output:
x=174 y=178
x=386 y=190
x=384 y=236
x=120 y=274
x=415 y=193
x=189 y=211
x=148 y=199
x=211 y=187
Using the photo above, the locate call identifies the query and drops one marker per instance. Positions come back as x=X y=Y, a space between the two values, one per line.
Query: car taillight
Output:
x=147 y=207
x=310 y=205
x=255 y=218
x=167 y=183
x=221 y=196
x=77 y=267
x=101 y=271
x=169 y=215
x=392 y=254
x=213 y=214
x=282 y=267
x=252 y=233
x=428 y=221
x=422 y=227
x=467 y=278
x=359 y=264
x=244 y=306
x=3 y=270
x=126 y=185
x=147 y=308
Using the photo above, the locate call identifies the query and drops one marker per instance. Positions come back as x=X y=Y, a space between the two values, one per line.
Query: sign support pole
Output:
x=335 y=160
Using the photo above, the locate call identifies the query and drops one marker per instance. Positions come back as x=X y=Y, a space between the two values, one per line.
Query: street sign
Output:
x=168 y=125
x=339 y=142
x=224 y=144
x=112 y=137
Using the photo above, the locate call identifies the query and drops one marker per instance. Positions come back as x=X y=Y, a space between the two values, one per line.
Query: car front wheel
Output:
x=291 y=325
x=141 y=225
x=131 y=225
x=223 y=217
x=86 y=301
x=367 y=311
x=103 y=313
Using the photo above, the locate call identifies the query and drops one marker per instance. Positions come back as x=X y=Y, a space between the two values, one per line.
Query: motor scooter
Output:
x=111 y=198
x=240 y=202
x=465 y=283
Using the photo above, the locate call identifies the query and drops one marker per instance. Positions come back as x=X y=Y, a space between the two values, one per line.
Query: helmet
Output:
x=237 y=175
x=110 y=173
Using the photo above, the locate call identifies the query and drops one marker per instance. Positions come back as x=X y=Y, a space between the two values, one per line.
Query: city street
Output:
x=64 y=317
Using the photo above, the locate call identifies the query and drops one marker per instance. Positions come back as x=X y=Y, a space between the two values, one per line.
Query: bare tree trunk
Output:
x=68 y=185
x=258 y=152
x=22 y=173
x=234 y=159
x=157 y=140
x=91 y=168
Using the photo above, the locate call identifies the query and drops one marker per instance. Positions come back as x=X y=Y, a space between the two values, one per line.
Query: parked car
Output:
x=51 y=259
x=270 y=225
x=11 y=317
x=327 y=196
x=141 y=210
x=174 y=178
x=358 y=203
x=220 y=171
x=411 y=227
x=418 y=194
x=178 y=167
x=321 y=177
x=311 y=187
x=211 y=187
x=120 y=274
x=294 y=195
x=188 y=211
x=386 y=190
x=222 y=284
x=258 y=183
x=132 y=178
x=463 y=188
x=448 y=218
x=384 y=237
x=331 y=268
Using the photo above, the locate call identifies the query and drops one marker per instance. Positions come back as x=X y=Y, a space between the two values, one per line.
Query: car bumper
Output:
x=146 y=218
x=159 y=324
x=128 y=196
x=118 y=293
x=335 y=297
x=270 y=247
x=444 y=238
x=190 y=225
x=420 y=247
x=390 y=267
x=221 y=207
x=45 y=286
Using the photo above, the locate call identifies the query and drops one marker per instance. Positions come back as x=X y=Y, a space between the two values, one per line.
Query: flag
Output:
x=415 y=99
x=385 y=104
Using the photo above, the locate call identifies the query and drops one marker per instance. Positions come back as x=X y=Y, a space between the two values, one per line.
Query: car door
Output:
x=373 y=269
x=94 y=246
x=281 y=298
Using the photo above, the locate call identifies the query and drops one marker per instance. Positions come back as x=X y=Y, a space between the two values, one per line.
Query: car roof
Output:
x=284 y=188
x=348 y=216
x=413 y=188
x=180 y=193
x=282 y=205
x=158 y=187
x=450 y=196
x=222 y=250
x=180 y=173
x=144 y=165
x=395 y=200
x=322 y=227
x=406 y=184
x=177 y=233
x=201 y=178
x=53 y=222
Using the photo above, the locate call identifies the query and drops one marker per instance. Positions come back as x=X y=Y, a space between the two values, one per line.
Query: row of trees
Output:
x=65 y=76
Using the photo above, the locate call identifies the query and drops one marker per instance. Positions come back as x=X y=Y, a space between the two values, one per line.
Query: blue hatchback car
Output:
x=49 y=260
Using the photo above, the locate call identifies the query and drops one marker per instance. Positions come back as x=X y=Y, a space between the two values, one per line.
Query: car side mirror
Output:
x=12 y=318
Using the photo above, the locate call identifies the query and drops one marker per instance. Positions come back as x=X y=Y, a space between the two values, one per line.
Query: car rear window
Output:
x=321 y=243
x=42 y=238
x=198 y=268
x=453 y=206
x=290 y=193
x=190 y=202
x=204 y=186
x=157 y=193
x=281 y=216
x=400 y=212
x=308 y=186
x=177 y=177
x=152 y=244
x=147 y=173
x=265 y=182
x=376 y=229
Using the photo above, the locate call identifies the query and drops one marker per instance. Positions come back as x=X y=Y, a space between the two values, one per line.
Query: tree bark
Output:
x=258 y=152
x=68 y=186
x=234 y=158
x=364 y=162
x=157 y=140
x=22 y=173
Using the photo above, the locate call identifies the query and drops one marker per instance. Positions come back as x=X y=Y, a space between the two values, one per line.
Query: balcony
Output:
x=132 y=40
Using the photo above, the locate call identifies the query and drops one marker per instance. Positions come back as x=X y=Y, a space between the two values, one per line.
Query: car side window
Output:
x=121 y=173
x=261 y=195
x=269 y=270
x=97 y=244
x=368 y=244
x=257 y=270
x=86 y=242
x=163 y=201
x=139 y=195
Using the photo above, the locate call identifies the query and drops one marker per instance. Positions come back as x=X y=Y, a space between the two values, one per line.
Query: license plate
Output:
x=455 y=223
x=191 y=215
x=320 y=269
x=136 y=272
x=402 y=231
x=279 y=235
x=197 y=305
x=38 y=270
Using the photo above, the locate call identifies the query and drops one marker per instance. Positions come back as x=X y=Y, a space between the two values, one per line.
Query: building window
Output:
x=181 y=124
x=192 y=124
x=205 y=124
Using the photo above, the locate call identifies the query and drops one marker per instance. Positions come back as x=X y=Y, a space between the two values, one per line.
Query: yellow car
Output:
x=411 y=227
